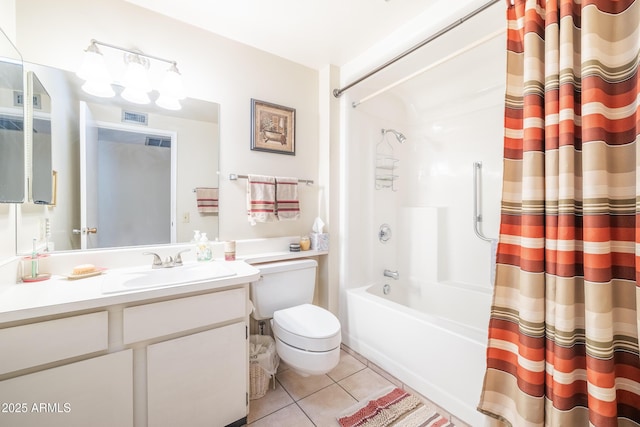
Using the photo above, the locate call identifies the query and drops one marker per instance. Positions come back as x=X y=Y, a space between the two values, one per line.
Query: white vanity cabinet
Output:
x=95 y=392
x=137 y=361
x=198 y=380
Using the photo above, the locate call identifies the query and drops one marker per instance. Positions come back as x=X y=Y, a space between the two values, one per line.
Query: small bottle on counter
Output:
x=204 y=248
x=230 y=250
x=196 y=242
x=305 y=243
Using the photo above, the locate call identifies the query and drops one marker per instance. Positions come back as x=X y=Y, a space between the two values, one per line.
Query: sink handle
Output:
x=157 y=261
x=177 y=260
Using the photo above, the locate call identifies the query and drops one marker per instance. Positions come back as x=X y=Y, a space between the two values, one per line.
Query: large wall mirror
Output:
x=122 y=174
x=12 y=150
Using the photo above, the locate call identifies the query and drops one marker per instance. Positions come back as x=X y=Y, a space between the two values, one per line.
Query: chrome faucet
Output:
x=393 y=274
x=168 y=262
x=177 y=260
x=157 y=261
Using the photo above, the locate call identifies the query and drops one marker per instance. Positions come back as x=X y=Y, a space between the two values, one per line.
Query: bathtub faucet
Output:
x=392 y=274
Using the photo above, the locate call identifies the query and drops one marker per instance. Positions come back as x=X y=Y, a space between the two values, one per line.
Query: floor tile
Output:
x=323 y=407
x=289 y=416
x=385 y=374
x=348 y=365
x=364 y=383
x=299 y=387
x=282 y=366
x=272 y=401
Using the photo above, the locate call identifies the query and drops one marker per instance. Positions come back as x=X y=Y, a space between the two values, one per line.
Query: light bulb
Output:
x=172 y=83
x=94 y=71
x=136 y=80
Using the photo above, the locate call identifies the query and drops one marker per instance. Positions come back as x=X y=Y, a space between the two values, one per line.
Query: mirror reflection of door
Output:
x=125 y=180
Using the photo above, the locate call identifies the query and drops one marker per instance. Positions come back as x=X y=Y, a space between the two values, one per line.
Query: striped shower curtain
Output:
x=563 y=335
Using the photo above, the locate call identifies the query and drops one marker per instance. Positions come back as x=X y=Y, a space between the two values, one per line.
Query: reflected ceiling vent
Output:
x=135 y=118
x=158 y=141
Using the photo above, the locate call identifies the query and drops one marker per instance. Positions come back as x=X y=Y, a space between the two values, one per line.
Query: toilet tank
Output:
x=282 y=284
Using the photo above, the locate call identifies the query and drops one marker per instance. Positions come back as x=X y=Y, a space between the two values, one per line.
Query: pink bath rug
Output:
x=394 y=407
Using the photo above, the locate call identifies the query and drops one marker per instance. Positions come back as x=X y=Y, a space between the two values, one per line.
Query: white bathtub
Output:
x=431 y=336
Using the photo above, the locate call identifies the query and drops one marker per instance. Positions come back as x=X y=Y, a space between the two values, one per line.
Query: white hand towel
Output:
x=261 y=198
x=287 y=203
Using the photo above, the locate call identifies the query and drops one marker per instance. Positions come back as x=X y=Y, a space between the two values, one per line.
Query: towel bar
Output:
x=235 y=177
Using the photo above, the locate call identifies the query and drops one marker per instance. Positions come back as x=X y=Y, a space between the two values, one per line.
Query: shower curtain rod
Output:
x=338 y=92
x=447 y=58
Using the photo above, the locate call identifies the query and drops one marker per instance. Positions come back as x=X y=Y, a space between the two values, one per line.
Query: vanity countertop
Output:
x=60 y=295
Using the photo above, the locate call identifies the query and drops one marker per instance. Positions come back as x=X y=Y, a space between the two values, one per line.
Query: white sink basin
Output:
x=146 y=277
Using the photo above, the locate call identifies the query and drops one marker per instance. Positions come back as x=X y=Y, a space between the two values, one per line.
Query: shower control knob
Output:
x=384 y=234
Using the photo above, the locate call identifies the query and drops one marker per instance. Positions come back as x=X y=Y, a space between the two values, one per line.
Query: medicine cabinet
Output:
x=12 y=148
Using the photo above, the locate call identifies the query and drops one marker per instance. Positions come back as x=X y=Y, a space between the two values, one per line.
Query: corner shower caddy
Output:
x=386 y=165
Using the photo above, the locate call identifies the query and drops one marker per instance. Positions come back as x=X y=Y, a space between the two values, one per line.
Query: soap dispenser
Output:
x=196 y=241
x=204 y=248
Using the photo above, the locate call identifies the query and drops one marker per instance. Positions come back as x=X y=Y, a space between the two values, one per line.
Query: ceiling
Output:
x=313 y=33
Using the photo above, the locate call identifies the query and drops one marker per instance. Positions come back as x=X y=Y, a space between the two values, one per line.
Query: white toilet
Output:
x=307 y=336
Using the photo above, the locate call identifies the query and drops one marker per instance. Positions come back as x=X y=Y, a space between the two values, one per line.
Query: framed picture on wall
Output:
x=273 y=128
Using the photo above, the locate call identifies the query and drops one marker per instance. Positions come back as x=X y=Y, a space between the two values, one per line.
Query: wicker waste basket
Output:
x=263 y=364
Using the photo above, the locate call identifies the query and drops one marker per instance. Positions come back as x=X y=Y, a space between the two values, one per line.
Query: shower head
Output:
x=399 y=136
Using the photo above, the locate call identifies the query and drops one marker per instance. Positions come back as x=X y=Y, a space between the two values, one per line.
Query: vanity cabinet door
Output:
x=199 y=379
x=96 y=392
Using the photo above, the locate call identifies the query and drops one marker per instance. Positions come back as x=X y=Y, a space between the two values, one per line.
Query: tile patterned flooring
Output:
x=311 y=401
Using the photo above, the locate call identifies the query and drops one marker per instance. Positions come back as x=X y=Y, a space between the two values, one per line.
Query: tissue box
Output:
x=319 y=241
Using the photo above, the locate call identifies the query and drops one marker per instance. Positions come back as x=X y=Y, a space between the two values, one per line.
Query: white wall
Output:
x=452 y=116
x=214 y=69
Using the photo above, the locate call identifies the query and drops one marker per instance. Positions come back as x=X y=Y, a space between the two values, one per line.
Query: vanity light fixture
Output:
x=172 y=90
x=136 y=80
x=94 y=72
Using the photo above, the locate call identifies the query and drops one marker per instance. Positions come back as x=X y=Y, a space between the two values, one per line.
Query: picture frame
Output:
x=273 y=128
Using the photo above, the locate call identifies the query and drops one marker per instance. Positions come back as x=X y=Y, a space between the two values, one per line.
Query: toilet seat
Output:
x=307 y=327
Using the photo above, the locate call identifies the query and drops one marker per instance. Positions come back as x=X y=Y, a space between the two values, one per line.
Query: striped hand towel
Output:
x=287 y=204
x=261 y=198
x=207 y=199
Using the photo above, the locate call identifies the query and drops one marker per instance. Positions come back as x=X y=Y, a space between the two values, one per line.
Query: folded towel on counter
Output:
x=261 y=198
x=287 y=204
x=207 y=199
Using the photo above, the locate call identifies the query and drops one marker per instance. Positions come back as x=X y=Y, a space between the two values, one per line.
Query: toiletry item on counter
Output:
x=31 y=266
x=204 y=252
x=27 y=269
x=230 y=250
x=196 y=242
x=305 y=243
x=83 y=271
x=294 y=247
x=34 y=260
x=319 y=240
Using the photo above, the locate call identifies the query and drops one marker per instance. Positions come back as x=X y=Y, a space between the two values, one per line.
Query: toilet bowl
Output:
x=307 y=337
